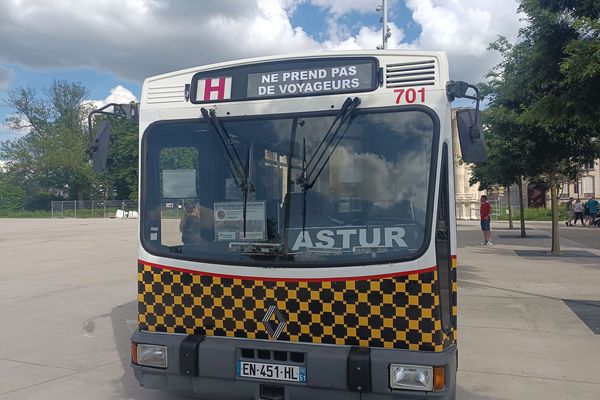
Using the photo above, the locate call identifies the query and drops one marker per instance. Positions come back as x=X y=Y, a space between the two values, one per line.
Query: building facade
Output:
x=584 y=186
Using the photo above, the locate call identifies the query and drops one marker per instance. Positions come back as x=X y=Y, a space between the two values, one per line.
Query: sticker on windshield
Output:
x=229 y=220
x=154 y=233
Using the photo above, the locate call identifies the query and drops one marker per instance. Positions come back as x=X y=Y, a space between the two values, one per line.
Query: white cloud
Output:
x=136 y=39
x=464 y=29
x=118 y=95
x=338 y=7
x=267 y=32
x=367 y=38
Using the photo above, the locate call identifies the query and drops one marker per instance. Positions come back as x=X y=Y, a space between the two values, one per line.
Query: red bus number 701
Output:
x=410 y=95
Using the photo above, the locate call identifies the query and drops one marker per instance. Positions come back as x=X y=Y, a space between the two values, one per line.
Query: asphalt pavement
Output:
x=583 y=235
x=68 y=307
x=517 y=337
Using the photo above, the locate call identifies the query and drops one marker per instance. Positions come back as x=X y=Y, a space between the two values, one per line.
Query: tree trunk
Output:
x=79 y=193
x=510 y=216
x=522 y=205
x=554 y=203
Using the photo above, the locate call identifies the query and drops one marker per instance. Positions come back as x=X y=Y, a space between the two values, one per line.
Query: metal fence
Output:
x=94 y=209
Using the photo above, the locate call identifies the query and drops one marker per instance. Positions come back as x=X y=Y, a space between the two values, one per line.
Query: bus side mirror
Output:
x=98 y=145
x=99 y=148
x=470 y=134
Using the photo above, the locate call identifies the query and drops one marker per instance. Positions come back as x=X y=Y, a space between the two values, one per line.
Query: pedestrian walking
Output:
x=570 y=212
x=593 y=210
x=586 y=214
x=579 y=209
x=485 y=214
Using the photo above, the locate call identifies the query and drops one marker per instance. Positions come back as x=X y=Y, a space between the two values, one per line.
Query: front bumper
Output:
x=213 y=375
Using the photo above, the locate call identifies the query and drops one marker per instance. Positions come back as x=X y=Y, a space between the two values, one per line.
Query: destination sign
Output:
x=287 y=78
x=301 y=82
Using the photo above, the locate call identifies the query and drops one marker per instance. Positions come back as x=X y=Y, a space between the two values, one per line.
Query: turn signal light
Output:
x=439 y=378
x=134 y=357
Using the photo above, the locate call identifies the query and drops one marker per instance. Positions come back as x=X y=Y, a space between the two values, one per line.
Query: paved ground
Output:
x=67 y=308
x=517 y=339
x=587 y=237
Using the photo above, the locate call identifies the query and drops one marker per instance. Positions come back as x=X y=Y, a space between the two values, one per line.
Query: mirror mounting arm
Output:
x=98 y=146
x=469 y=124
x=128 y=111
x=458 y=90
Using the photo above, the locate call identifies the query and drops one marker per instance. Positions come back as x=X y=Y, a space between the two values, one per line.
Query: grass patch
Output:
x=82 y=213
x=25 y=214
x=87 y=213
x=532 y=214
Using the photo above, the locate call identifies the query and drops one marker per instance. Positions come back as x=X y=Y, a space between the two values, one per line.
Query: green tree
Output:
x=540 y=80
x=12 y=197
x=52 y=156
x=508 y=156
x=121 y=176
x=178 y=158
x=570 y=31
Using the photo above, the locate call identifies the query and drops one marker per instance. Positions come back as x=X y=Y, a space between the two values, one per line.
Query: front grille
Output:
x=272 y=355
x=420 y=73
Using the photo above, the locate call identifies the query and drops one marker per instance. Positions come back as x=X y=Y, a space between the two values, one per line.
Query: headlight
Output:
x=411 y=377
x=151 y=355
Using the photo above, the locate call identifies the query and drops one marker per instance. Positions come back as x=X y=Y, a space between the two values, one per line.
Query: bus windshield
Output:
x=298 y=190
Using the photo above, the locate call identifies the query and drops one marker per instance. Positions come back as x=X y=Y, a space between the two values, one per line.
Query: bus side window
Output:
x=442 y=243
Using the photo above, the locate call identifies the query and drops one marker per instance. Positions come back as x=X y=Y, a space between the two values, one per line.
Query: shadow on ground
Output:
x=124 y=322
x=470 y=277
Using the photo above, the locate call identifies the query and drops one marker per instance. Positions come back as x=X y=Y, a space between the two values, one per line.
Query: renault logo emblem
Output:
x=274 y=327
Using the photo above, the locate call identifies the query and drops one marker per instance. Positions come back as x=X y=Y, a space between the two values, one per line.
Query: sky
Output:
x=110 y=46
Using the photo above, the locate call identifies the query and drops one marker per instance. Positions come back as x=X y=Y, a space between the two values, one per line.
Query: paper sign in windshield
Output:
x=229 y=220
x=179 y=184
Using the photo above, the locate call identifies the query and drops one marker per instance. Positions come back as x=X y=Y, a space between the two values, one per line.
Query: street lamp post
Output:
x=385 y=30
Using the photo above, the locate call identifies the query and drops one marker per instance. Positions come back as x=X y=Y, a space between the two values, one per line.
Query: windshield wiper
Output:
x=313 y=168
x=239 y=171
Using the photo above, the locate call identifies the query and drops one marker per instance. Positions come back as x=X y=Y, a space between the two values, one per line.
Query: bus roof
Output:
x=440 y=55
x=391 y=69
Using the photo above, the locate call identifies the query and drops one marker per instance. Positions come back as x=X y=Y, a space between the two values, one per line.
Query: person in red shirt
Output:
x=485 y=211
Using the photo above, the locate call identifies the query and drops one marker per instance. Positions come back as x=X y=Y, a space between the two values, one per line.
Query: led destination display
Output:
x=289 y=78
x=336 y=79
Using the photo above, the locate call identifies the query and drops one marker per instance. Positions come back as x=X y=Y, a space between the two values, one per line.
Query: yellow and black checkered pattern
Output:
x=450 y=338
x=400 y=312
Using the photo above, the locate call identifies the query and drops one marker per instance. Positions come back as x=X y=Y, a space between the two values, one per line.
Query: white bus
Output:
x=297 y=229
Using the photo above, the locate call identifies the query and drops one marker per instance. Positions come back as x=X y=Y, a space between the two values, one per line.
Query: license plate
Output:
x=279 y=372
